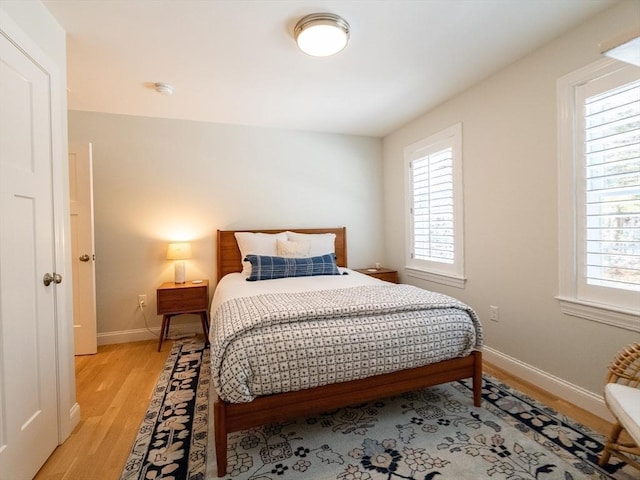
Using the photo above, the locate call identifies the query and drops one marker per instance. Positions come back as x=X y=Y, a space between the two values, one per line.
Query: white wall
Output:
x=155 y=179
x=510 y=185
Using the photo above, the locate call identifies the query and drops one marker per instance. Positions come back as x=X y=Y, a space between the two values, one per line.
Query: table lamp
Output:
x=180 y=252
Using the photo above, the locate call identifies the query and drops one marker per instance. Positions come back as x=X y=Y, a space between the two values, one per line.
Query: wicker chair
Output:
x=622 y=396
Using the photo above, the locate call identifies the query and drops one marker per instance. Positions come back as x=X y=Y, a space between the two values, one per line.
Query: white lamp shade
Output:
x=322 y=34
x=179 y=251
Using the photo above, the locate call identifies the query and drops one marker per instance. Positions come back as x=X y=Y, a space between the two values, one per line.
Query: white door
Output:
x=82 y=248
x=28 y=383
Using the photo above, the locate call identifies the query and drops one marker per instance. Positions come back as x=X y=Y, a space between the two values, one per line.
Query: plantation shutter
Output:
x=612 y=188
x=433 y=207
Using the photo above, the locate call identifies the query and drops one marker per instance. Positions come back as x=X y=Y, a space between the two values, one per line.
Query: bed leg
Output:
x=477 y=378
x=220 y=426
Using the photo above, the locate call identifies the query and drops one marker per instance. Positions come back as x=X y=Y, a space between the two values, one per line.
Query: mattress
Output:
x=290 y=334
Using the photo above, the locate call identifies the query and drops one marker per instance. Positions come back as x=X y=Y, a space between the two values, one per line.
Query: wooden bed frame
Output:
x=232 y=417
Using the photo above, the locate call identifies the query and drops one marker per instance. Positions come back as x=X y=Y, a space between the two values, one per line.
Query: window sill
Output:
x=444 y=279
x=626 y=319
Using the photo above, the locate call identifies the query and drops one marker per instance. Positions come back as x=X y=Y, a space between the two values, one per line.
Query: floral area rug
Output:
x=422 y=435
x=428 y=434
x=172 y=440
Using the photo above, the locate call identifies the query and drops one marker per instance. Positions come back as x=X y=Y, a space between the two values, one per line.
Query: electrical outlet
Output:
x=142 y=300
x=494 y=313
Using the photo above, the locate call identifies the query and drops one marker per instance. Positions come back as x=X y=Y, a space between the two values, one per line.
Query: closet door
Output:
x=28 y=375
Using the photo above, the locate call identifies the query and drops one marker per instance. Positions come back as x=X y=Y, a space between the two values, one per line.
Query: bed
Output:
x=291 y=394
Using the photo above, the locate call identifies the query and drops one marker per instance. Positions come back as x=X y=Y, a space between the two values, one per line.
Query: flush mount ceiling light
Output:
x=163 y=88
x=321 y=34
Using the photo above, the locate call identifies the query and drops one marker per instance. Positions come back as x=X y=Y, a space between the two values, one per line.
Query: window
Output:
x=599 y=193
x=434 y=177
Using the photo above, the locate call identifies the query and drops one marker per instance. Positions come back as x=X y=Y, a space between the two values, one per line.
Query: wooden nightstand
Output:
x=180 y=298
x=385 y=274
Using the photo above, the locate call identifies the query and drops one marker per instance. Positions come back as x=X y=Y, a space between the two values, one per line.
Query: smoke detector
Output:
x=163 y=88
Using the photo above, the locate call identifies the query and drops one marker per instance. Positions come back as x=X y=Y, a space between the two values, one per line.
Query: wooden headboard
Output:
x=229 y=258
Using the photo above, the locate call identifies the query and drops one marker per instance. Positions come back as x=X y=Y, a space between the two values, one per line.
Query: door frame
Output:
x=68 y=408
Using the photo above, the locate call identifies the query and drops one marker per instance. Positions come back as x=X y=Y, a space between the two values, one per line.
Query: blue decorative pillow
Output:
x=267 y=268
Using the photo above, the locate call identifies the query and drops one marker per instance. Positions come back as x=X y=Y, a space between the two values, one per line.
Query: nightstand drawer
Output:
x=181 y=299
x=385 y=274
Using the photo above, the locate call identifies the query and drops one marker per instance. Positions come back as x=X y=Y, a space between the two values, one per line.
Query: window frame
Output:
x=571 y=295
x=451 y=274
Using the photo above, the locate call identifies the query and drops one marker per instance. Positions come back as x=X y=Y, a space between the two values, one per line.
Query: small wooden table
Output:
x=385 y=274
x=180 y=298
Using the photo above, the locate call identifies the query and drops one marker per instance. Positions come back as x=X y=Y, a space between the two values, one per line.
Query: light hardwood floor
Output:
x=114 y=388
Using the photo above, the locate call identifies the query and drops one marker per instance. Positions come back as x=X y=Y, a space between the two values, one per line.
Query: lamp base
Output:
x=179 y=272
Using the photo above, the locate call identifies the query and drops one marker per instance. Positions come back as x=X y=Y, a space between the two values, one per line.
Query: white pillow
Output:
x=321 y=243
x=290 y=249
x=258 y=244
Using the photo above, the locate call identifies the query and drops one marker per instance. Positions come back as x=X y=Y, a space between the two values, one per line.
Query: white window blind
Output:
x=435 y=247
x=612 y=188
x=599 y=193
x=433 y=226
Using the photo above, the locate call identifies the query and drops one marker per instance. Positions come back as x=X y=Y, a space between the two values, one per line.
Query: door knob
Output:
x=49 y=278
x=84 y=258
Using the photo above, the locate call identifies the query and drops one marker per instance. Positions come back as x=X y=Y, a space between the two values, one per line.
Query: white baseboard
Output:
x=141 y=334
x=574 y=394
x=74 y=415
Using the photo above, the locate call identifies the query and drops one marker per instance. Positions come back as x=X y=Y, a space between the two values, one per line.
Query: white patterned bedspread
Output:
x=290 y=334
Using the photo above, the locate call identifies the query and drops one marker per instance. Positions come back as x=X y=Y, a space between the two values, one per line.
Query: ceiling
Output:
x=236 y=62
